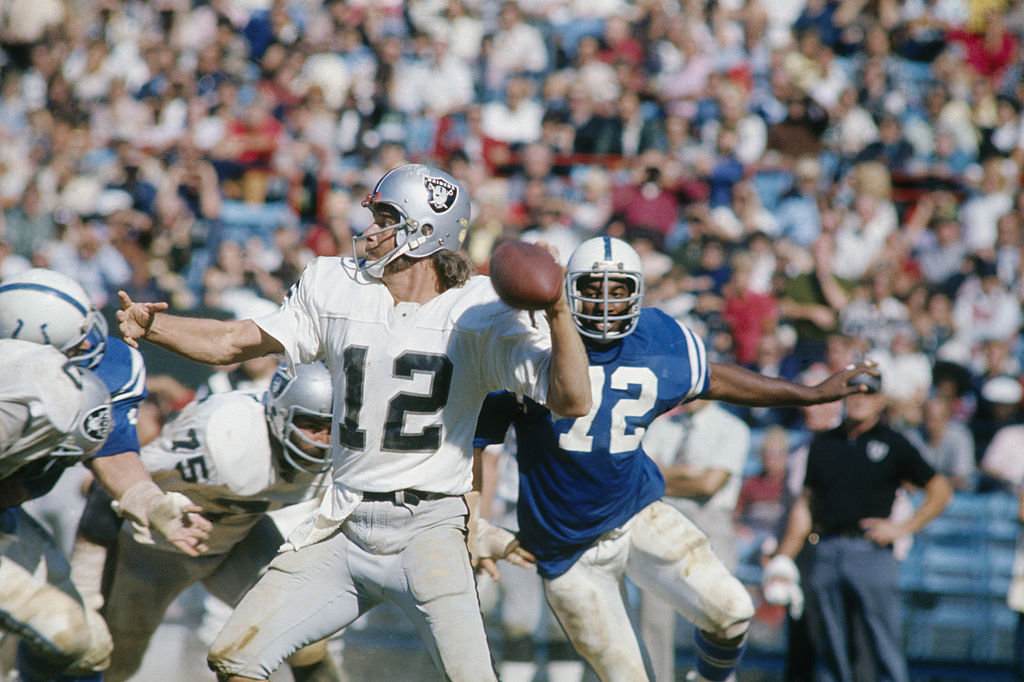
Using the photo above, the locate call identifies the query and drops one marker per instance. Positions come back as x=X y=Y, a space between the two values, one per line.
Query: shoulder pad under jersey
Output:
x=238 y=442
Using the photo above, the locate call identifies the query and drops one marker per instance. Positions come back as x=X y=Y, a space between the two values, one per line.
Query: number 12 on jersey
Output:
x=406 y=366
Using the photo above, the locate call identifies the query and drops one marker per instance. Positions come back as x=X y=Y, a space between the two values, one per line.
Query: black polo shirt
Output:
x=857 y=478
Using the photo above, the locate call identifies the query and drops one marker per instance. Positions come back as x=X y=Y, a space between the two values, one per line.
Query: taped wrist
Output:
x=87 y=562
x=149 y=507
x=136 y=502
x=487 y=541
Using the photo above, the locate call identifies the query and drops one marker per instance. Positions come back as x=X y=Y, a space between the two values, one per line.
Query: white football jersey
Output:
x=218 y=453
x=409 y=380
x=40 y=398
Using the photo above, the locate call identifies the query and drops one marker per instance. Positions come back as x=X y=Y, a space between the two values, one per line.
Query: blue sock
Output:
x=714 y=661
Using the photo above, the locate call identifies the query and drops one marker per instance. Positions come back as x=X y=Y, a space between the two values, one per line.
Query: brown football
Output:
x=525 y=275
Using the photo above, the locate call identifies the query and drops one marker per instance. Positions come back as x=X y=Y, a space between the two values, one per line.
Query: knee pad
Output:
x=663 y=533
x=726 y=601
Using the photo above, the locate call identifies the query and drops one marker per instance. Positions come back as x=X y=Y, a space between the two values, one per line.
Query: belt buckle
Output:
x=406 y=498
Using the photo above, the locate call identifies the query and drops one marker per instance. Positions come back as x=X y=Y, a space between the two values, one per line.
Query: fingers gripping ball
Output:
x=525 y=275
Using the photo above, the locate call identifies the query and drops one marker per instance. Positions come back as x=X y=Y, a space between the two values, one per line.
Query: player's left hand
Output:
x=837 y=387
x=882 y=532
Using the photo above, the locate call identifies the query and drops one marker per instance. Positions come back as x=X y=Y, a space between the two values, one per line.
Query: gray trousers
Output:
x=413 y=555
x=852 y=577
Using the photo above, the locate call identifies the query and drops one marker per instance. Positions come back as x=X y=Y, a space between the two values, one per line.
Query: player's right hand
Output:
x=135 y=319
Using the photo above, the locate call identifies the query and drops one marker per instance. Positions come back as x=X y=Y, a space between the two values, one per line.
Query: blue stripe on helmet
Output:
x=607 y=248
x=48 y=289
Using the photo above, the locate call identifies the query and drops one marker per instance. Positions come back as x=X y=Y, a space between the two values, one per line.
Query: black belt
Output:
x=852 y=530
x=403 y=497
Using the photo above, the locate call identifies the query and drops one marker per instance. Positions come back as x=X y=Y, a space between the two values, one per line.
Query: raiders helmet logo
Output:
x=97 y=424
x=278 y=383
x=441 y=194
x=877 y=450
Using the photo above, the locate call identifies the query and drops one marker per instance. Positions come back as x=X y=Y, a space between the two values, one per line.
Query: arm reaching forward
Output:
x=214 y=342
x=740 y=386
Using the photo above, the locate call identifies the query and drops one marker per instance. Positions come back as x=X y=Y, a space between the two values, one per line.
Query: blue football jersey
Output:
x=580 y=478
x=123 y=371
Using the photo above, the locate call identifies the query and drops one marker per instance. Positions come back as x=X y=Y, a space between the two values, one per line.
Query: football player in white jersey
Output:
x=238 y=455
x=52 y=415
x=414 y=343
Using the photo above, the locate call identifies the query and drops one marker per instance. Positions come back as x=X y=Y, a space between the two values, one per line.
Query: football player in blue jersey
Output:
x=48 y=307
x=589 y=497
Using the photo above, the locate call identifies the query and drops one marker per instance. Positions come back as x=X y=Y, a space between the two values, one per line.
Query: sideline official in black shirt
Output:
x=853 y=473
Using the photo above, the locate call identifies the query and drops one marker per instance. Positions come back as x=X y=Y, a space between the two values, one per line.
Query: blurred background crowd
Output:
x=807 y=181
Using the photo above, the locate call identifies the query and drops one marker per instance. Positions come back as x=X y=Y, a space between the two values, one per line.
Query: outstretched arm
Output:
x=214 y=342
x=740 y=386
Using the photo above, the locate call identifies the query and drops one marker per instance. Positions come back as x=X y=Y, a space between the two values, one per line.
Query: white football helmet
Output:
x=46 y=306
x=433 y=210
x=606 y=259
x=93 y=423
x=307 y=391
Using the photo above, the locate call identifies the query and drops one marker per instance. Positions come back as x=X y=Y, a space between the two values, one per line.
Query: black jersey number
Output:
x=407 y=366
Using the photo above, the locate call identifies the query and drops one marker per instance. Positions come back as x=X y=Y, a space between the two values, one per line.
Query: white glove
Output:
x=781 y=584
x=148 y=507
x=487 y=541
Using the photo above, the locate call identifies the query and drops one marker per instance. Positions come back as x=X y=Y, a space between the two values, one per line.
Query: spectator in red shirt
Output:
x=748 y=313
x=645 y=204
x=990 y=48
x=246 y=153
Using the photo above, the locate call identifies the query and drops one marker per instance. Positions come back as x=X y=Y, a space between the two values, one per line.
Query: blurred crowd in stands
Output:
x=808 y=181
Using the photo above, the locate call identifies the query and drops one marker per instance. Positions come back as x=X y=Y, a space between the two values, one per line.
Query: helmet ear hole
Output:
x=305 y=391
x=427 y=229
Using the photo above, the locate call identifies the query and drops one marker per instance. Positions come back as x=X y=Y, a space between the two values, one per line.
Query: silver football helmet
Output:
x=605 y=259
x=305 y=391
x=93 y=423
x=433 y=213
x=46 y=306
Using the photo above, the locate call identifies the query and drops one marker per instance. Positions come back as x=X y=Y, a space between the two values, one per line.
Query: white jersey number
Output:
x=576 y=439
x=406 y=366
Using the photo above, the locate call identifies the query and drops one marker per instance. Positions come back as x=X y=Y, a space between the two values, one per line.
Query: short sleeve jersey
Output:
x=409 y=379
x=580 y=478
x=218 y=453
x=857 y=478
